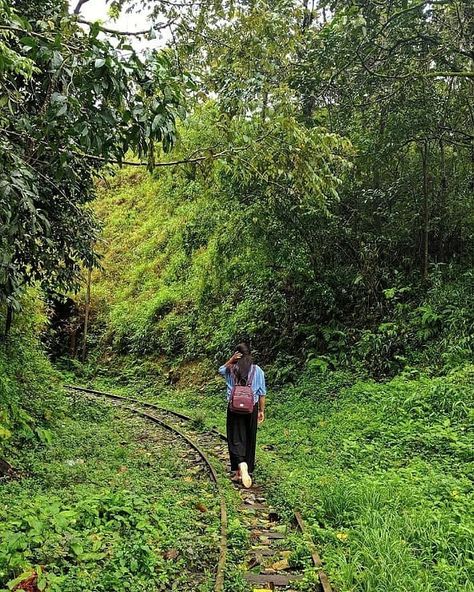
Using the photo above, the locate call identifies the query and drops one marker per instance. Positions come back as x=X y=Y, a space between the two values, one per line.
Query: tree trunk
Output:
x=264 y=105
x=426 y=213
x=442 y=205
x=379 y=146
x=308 y=102
x=73 y=343
x=86 y=315
x=8 y=320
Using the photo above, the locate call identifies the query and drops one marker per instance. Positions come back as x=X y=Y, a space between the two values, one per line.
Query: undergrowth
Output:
x=381 y=471
x=106 y=506
x=31 y=399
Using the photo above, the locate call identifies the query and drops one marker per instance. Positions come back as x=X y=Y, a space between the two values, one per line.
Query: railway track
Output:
x=267 y=560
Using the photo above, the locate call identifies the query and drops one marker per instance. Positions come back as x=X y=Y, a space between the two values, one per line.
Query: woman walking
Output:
x=243 y=378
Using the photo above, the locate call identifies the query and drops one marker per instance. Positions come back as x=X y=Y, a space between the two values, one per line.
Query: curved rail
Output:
x=142 y=403
x=219 y=583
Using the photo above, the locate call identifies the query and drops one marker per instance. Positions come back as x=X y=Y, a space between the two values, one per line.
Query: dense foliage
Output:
x=318 y=203
x=70 y=101
x=189 y=269
x=30 y=398
x=334 y=222
x=104 y=510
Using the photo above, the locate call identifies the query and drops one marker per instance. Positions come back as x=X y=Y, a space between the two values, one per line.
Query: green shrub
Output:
x=30 y=396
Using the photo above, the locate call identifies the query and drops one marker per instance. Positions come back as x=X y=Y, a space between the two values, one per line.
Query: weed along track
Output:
x=267 y=561
x=124 y=403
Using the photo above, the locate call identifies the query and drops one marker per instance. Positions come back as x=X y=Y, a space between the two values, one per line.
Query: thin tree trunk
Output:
x=86 y=315
x=72 y=343
x=308 y=102
x=264 y=105
x=442 y=205
x=426 y=213
x=379 y=146
x=8 y=320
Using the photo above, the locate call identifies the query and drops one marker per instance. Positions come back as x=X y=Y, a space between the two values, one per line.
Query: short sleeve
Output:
x=223 y=370
x=261 y=390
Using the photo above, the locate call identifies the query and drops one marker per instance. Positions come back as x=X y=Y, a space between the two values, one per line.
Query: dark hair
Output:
x=243 y=364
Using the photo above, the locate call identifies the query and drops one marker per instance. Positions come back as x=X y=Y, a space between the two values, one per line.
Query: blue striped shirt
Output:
x=258 y=383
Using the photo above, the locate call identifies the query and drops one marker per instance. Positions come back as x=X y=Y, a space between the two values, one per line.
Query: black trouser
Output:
x=242 y=437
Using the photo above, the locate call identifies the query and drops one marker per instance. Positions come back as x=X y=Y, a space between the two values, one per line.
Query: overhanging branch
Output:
x=125 y=33
x=452 y=74
x=169 y=163
x=79 y=5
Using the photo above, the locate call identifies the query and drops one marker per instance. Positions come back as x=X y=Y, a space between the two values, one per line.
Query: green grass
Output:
x=382 y=471
x=109 y=505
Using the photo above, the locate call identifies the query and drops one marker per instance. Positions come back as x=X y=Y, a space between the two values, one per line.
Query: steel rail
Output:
x=219 y=582
x=143 y=404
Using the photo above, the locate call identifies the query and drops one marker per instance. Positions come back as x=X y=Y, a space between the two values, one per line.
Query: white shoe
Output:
x=244 y=472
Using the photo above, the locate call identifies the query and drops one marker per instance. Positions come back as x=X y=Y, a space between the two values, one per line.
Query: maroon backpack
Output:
x=241 y=397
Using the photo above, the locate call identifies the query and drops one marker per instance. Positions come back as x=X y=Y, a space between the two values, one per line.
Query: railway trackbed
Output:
x=267 y=559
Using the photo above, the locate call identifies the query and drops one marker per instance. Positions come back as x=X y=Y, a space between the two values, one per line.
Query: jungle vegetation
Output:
x=296 y=173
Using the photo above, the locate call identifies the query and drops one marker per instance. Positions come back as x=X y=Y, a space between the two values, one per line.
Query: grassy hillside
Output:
x=177 y=281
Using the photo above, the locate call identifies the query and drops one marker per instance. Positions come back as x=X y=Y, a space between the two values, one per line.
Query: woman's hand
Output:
x=231 y=361
x=261 y=417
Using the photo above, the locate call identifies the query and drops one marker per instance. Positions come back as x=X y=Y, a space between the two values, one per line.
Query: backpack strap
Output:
x=251 y=375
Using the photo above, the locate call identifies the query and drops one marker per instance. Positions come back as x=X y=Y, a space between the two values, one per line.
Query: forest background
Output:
x=300 y=175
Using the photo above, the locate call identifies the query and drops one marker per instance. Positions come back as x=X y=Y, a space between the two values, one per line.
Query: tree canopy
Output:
x=341 y=132
x=72 y=101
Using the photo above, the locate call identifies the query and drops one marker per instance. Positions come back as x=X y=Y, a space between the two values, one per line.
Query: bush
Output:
x=30 y=396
